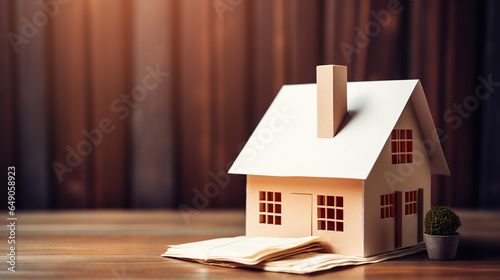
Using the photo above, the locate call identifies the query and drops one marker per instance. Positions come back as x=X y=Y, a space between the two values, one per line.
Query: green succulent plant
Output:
x=441 y=220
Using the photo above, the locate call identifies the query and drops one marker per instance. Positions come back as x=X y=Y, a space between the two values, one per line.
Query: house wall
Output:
x=387 y=178
x=348 y=242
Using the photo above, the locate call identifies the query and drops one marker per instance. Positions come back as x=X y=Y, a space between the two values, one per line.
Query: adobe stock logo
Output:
x=362 y=37
x=279 y=119
x=471 y=103
x=121 y=106
x=223 y=6
x=455 y=117
x=39 y=19
x=276 y=123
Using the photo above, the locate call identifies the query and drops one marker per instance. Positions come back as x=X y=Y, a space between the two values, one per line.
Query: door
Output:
x=399 y=220
x=420 y=209
x=400 y=211
x=301 y=214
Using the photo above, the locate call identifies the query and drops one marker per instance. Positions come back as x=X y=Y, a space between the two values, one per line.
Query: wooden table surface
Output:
x=128 y=244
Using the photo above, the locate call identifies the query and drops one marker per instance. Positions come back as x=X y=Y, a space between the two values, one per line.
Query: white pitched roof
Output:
x=285 y=141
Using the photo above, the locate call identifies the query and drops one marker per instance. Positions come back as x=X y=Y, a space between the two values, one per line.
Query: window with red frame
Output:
x=387 y=206
x=402 y=146
x=330 y=213
x=270 y=208
x=411 y=202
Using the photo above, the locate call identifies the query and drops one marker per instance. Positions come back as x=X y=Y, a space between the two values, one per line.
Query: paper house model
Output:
x=350 y=162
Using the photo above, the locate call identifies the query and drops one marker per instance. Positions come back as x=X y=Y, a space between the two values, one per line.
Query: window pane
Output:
x=394 y=146
x=277 y=197
x=277 y=220
x=382 y=213
x=262 y=195
x=340 y=201
x=321 y=225
x=277 y=208
x=392 y=211
x=394 y=134
x=262 y=207
x=402 y=146
x=330 y=200
x=331 y=226
x=340 y=214
x=321 y=212
x=382 y=200
x=406 y=209
x=409 y=146
x=409 y=134
x=321 y=200
x=269 y=196
x=394 y=159
x=402 y=134
x=270 y=220
x=262 y=219
x=340 y=226
x=402 y=158
x=392 y=198
x=409 y=158
x=330 y=214
x=407 y=196
x=270 y=208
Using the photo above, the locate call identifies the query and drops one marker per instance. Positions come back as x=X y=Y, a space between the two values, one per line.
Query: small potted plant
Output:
x=441 y=236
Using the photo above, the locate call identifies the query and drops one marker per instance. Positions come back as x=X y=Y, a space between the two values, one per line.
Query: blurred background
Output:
x=142 y=104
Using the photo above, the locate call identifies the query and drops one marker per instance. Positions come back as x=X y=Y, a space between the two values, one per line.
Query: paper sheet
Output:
x=291 y=255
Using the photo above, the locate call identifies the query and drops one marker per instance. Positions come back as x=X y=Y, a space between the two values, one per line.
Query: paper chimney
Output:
x=331 y=83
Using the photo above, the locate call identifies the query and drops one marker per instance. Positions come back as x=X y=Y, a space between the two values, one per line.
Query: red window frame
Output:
x=411 y=200
x=401 y=146
x=387 y=206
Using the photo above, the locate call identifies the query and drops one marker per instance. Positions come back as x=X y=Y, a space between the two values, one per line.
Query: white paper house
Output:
x=366 y=189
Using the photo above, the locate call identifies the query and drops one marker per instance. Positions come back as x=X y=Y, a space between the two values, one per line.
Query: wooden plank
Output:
x=444 y=64
x=229 y=75
x=7 y=98
x=70 y=108
x=261 y=71
x=31 y=93
x=388 y=36
x=195 y=83
x=128 y=244
x=151 y=124
x=459 y=66
x=488 y=155
x=340 y=45
x=301 y=41
x=267 y=70
x=110 y=76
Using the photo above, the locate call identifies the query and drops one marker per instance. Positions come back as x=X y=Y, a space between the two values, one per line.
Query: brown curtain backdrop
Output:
x=129 y=103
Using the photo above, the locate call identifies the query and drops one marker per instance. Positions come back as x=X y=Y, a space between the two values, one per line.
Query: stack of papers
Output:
x=291 y=255
x=243 y=250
